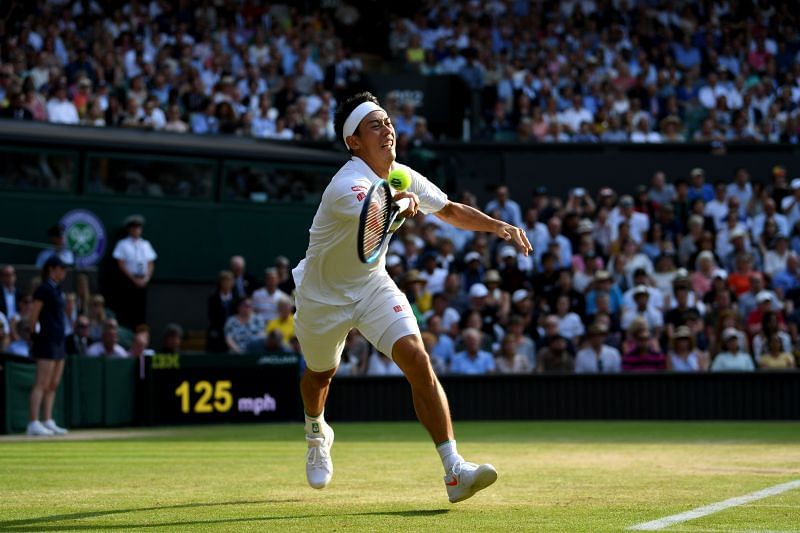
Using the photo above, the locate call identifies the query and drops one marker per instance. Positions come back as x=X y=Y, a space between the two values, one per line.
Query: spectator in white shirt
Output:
x=639 y=223
x=60 y=110
x=265 y=299
x=107 y=346
x=654 y=319
x=717 y=209
x=731 y=358
x=575 y=115
x=431 y=273
x=598 y=357
x=790 y=205
x=741 y=189
x=569 y=323
x=769 y=212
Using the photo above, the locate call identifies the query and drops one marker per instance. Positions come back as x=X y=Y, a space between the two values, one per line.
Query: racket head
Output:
x=374 y=221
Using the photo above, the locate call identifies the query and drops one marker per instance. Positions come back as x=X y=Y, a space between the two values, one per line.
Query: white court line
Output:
x=706 y=510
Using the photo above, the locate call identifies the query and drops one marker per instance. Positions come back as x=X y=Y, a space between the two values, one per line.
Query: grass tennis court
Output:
x=554 y=476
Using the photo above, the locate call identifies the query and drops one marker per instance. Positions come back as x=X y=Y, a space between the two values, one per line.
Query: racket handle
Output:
x=402 y=204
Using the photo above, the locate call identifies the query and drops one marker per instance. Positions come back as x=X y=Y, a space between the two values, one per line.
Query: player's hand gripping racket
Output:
x=376 y=218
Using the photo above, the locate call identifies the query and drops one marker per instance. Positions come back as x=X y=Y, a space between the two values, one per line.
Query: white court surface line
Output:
x=706 y=510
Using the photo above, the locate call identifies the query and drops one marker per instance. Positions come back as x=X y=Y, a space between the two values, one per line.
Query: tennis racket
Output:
x=377 y=215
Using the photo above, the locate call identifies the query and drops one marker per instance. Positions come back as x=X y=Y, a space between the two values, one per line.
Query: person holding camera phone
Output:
x=580 y=202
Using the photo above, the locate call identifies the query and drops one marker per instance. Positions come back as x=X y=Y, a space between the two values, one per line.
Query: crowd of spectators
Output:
x=615 y=71
x=692 y=274
x=567 y=71
x=203 y=67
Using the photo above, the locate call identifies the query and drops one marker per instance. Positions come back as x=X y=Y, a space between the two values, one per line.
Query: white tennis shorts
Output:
x=382 y=318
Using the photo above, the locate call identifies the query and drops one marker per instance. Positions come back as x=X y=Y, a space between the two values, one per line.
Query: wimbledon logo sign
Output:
x=85 y=236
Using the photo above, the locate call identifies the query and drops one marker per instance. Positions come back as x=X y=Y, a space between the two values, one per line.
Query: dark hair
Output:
x=344 y=110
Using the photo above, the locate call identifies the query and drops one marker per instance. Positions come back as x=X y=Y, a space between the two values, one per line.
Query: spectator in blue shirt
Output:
x=472 y=360
x=686 y=55
x=504 y=208
x=698 y=187
x=787 y=280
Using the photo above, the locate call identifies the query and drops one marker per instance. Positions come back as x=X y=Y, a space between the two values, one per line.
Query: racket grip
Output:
x=402 y=204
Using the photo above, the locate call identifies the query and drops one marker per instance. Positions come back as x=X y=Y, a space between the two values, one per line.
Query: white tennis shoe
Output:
x=37 y=429
x=465 y=479
x=319 y=465
x=51 y=425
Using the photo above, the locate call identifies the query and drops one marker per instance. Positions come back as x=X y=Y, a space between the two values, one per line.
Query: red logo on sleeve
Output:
x=360 y=196
x=397 y=308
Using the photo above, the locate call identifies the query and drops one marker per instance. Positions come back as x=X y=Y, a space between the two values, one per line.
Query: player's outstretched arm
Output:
x=466 y=217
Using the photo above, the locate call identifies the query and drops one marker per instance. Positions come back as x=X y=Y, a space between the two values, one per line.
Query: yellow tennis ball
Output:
x=399 y=179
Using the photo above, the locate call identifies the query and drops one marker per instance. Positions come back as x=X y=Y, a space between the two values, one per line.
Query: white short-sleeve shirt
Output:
x=331 y=272
x=136 y=254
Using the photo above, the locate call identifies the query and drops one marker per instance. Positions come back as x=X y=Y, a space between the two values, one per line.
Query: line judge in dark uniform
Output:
x=48 y=347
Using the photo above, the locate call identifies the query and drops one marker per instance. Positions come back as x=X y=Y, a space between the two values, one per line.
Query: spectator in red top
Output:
x=739 y=281
x=643 y=357
x=764 y=300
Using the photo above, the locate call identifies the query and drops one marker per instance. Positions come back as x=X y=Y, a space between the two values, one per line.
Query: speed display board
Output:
x=223 y=388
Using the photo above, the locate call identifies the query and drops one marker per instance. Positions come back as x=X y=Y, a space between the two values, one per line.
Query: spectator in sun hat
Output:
x=730 y=358
x=740 y=245
x=642 y=279
x=597 y=356
x=683 y=356
x=57 y=247
x=652 y=317
x=604 y=283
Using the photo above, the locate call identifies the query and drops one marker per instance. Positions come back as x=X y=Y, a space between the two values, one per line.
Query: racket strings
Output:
x=377 y=215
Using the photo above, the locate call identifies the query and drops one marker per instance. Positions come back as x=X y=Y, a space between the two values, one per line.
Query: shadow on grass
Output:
x=47 y=523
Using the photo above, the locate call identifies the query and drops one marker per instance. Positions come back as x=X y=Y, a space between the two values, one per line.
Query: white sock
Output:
x=315 y=425
x=449 y=454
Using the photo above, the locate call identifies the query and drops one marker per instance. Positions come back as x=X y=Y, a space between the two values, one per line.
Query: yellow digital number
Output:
x=183 y=393
x=205 y=390
x=223 y=400
x=220 y=390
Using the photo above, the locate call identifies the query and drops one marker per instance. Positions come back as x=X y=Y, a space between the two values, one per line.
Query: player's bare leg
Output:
x=430 y=401
x=462 y=479
x=314 y=387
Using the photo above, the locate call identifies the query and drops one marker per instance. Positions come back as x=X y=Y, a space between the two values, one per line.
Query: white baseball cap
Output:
x=507 y=251
x=519 y=295
x=472 y=256
x=478 y=290
x=764 y=296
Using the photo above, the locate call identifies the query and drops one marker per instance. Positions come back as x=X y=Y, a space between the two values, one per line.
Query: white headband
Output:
x=356 y=116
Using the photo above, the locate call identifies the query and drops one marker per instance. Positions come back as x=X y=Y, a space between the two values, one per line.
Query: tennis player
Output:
x=337 y=292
